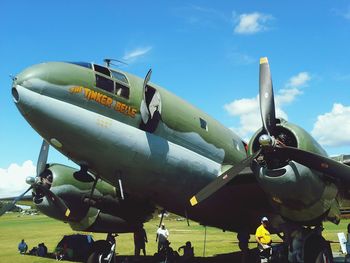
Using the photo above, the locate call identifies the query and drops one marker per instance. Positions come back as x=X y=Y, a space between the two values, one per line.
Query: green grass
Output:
x=38 y=229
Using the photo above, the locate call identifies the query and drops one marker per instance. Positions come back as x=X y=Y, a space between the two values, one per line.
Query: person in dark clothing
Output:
x=188 y=252
x=42 y=250
x=140 y=240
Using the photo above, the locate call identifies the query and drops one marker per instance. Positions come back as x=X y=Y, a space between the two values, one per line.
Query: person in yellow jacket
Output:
x=263 y=237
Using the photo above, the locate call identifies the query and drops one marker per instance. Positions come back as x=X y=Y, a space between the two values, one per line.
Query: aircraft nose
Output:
x=15 y=94
x=30 y=77
x=27 y=85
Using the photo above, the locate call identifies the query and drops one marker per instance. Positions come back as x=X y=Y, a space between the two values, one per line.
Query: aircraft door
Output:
x=151 y=106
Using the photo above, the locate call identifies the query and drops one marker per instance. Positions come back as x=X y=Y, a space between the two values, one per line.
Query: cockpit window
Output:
x=82 y=64
x=119 y=76
x=102 y=70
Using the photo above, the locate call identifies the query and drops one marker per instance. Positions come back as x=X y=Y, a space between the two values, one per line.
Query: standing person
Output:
x=188 y=252
x=263 y=237
x=243 y=244
x=162 y=236
x=22 y=247
x=140 y=240
x=347 y=243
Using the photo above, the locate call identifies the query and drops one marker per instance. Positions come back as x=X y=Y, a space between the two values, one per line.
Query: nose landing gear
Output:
x=307 y=245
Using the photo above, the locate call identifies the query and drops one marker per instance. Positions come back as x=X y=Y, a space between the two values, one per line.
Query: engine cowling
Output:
x=299 y=193
x=102 y=212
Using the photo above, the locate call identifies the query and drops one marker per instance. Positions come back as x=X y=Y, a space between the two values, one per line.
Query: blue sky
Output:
x=204 y=51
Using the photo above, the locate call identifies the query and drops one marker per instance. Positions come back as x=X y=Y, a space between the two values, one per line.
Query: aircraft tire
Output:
x=315 y=250
x=322 y=258
x=99 y=251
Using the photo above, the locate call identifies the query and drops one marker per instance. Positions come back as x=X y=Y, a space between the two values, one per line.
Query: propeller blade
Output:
x=9 y=206
x=267 y=103
x=58 y=202
x=222 y=180
x=42 y=160
x=317 y=162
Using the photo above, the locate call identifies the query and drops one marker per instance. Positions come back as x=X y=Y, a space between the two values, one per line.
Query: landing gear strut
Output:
x=103 y=251
x=307 y=245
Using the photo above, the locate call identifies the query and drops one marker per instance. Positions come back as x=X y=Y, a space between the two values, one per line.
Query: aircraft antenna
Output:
x=108 y=62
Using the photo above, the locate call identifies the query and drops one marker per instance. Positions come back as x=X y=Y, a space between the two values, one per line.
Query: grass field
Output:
x=39 y=228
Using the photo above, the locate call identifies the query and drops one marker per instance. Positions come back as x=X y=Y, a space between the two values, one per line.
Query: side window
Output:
x=102 y=70
x=203 y=124
x=104 y=83
x=122 y=90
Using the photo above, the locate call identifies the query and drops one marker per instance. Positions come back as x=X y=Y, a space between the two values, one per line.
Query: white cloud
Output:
x=251 y=23
x=333 y=128
x=286 y=96
x=131 y=56
x=247 y=109
x=299 y=80
x=13 y=178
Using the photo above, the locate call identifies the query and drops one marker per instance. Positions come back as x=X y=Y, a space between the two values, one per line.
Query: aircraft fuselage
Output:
x=95 y=119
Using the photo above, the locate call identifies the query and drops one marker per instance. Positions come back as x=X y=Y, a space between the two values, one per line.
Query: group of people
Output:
x=164 y=250
x=262 y=236
x=40 y=250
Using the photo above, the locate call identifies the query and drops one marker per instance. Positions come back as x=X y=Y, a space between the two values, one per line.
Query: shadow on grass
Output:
x=222 y=258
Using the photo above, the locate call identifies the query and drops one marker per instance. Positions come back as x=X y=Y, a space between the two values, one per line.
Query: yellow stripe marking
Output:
x=67 y=213
x=193 y=201
x=264 y=60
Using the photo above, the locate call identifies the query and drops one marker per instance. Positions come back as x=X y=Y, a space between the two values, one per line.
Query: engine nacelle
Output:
x=102 y=212
x=299 y=193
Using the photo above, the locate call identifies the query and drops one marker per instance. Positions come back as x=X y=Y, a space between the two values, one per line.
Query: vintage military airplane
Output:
x=151 y=148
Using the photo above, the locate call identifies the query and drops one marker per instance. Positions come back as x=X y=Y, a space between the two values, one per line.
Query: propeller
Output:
x=267 y=110
x=9 y=206
x=270 y=145
x=58 y=202
x=37 y=184
x=42 y=160
x=266 y=97
x=222 y=180
x=316 y=162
